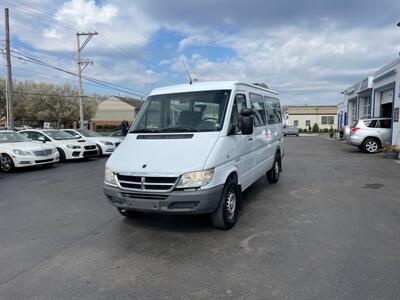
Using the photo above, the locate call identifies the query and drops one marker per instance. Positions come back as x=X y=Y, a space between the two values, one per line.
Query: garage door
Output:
x=387 y=97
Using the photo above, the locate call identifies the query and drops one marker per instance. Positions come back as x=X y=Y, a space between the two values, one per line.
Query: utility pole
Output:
x=9 y=98
x=81 y=63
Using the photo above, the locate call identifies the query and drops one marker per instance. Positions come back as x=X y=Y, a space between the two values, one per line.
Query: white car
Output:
x=18 y=151
x=105 y=145
x=68 y=146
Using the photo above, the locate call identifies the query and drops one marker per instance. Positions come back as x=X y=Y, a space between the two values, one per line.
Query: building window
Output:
x=308 y=123
x=296 y=123
x=325 y=120
x=366 y=106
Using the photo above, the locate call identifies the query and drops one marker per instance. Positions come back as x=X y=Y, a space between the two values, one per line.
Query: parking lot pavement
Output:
x=328 y=230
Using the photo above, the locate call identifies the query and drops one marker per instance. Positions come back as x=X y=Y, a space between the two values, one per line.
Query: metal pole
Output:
x=10 y=106
x=78 y=61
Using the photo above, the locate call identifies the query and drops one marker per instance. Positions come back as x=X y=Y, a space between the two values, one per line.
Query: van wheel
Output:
x=225 y=216
x=273 y=174
x=371 y=145
x=7 y=164
x=62 y=155
x=131 y=214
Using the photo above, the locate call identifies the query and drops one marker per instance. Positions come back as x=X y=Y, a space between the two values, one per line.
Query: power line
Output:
x=45 y=94
x=91 y=79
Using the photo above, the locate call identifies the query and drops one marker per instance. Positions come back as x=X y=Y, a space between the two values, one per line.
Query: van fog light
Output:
x=195 y=179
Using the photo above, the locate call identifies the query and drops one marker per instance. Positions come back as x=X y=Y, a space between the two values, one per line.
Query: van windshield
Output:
x=183 y=112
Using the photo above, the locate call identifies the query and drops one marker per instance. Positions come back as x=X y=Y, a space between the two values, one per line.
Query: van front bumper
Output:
x=178 y=202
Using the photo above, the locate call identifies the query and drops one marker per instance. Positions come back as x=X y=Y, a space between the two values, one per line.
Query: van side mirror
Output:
x=246 y=121
x=42 y=139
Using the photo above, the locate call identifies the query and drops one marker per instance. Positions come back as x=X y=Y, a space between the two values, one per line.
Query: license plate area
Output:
x=143 y=204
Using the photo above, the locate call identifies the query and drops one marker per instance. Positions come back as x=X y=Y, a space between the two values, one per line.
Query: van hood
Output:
x=162 y=154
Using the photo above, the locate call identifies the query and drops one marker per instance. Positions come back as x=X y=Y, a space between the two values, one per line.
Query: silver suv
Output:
x=369 y=135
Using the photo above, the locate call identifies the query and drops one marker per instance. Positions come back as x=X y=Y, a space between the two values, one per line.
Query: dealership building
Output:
x=376 y=96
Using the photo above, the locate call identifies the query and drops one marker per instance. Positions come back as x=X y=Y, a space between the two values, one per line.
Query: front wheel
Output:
x=273 y=174
x=99 y=151
x=225 y=216
x=6 y=164
x=62 y=155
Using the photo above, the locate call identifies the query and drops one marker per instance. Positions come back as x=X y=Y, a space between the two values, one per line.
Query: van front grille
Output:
x=147 y=183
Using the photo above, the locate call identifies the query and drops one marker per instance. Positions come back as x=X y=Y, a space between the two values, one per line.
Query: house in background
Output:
x=308 y=115
x=115 y=109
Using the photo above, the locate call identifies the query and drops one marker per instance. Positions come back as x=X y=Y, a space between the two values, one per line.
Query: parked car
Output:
x=290 y=130
x=68 y=146
x=194 y=148
x=105 y=145
x=117 y=134
x=17 y=151
x=369 y=135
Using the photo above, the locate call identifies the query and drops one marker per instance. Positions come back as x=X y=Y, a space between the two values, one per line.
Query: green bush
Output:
x=326 y=130
x=315 y=128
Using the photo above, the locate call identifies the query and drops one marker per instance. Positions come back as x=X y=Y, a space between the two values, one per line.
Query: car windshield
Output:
x=88 y=133
x=59 y=135
x=183 y=112
x=12 y=137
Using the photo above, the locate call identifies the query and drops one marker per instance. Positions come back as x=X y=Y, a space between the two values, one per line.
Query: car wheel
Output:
x=100 y=151
x=131 y=214
x=370 y=145
x=273 y=174
x=226 y=215
x=7 y=164
x=62 y=155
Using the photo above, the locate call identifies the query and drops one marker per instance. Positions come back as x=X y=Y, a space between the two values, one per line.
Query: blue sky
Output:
x=309 y=51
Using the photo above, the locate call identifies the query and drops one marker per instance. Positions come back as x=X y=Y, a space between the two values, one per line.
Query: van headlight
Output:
x=109 y=177
x=195 y=179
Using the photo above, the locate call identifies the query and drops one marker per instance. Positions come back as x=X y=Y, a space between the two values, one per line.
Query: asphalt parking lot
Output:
x=330 y=229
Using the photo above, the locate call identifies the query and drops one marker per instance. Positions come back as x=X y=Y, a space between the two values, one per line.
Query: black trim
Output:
x=164 y=136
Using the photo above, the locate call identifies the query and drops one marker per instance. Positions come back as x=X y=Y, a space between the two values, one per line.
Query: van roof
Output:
x=204 y=86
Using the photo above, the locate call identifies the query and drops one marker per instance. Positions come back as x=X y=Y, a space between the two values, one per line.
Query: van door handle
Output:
x=250 y=139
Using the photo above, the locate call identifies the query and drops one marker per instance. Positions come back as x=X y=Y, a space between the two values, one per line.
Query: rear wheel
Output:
x=7 y=163
x=273 y=174
x=371 y=145
x=131 y=214
x=225 y=216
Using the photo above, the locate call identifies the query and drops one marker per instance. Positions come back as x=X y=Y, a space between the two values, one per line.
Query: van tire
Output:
x=226 y=215
x=62 y=155
x=371 y=145
x=130 y=214
x=273 y=174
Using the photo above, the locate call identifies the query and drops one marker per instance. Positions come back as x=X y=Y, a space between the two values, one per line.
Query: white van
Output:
x=194 y=148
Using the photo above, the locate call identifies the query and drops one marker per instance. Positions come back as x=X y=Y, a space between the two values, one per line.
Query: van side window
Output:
x=273 y=110
x=238 y=105
x=258 y=106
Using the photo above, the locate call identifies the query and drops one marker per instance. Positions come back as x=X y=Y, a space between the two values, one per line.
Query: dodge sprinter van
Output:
x=194 y=148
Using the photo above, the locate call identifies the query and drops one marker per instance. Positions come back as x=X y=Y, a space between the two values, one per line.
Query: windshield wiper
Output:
x=180 y=129
x=144 y=130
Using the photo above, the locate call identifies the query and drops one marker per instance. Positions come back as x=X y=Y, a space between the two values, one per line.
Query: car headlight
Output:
x=195 y=179
x=106 y=143
x=109 y=177
x=21 y=152
x=73 y=147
